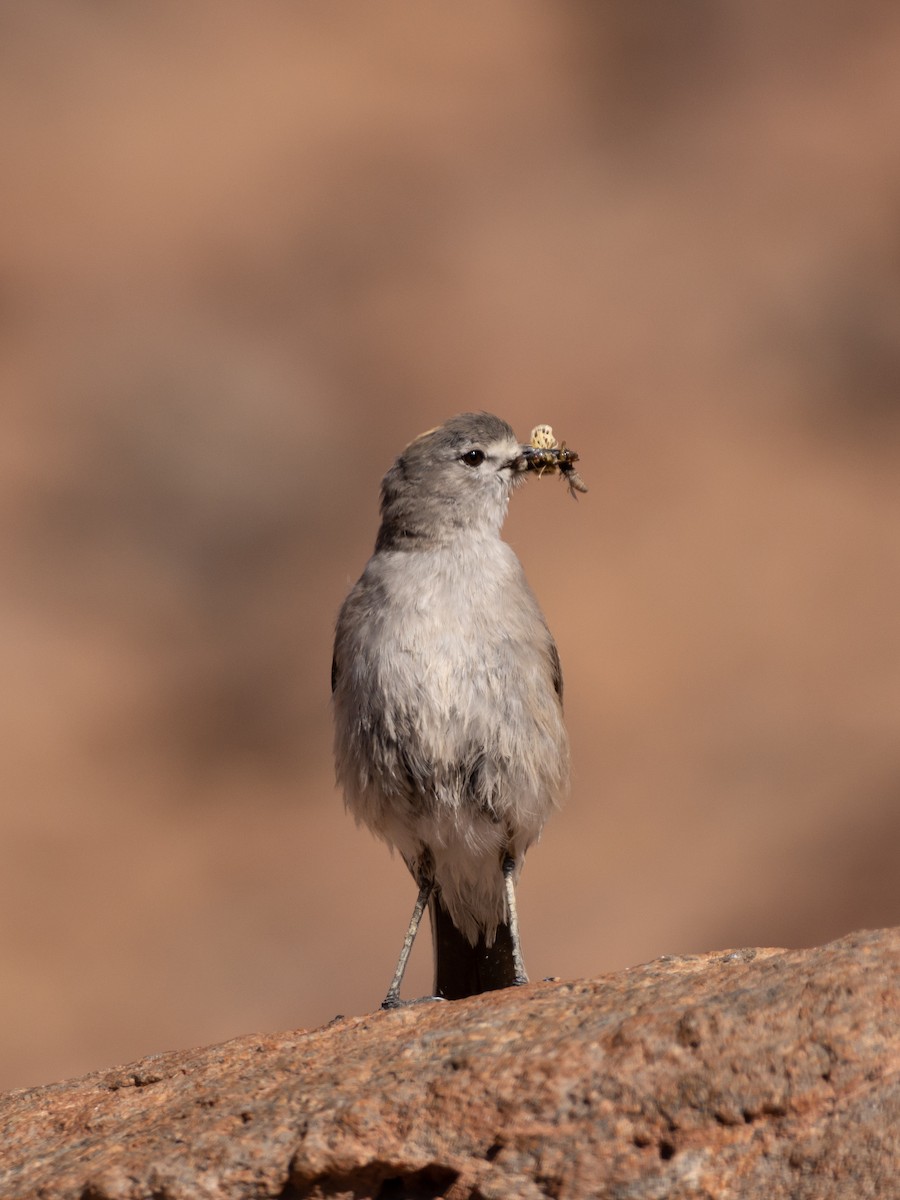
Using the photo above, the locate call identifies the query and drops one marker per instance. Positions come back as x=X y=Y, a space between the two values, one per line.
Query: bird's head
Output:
x=457 y=476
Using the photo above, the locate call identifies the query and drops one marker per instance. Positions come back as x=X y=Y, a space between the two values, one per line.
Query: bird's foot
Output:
x=389 y=1003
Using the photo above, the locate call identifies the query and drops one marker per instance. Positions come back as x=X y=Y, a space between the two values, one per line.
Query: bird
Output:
x=447 y=695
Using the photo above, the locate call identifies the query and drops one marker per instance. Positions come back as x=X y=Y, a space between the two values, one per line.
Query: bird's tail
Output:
x=461 y=969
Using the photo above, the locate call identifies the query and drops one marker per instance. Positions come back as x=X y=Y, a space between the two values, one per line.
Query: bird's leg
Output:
x=426 y=887
x=509 y=884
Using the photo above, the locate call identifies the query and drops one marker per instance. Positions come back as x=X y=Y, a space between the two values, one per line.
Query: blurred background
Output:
x=247 y=252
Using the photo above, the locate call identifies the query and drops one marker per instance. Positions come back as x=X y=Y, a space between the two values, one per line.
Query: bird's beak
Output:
x=520 y=462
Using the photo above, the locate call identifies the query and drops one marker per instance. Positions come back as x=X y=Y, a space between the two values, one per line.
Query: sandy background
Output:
x=247 y=252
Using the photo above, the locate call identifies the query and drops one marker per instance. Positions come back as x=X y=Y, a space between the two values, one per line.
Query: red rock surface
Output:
x=246 y=252
x=752 y=1073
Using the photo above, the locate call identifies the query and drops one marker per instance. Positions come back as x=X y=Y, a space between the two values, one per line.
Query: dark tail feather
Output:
x=461 y=969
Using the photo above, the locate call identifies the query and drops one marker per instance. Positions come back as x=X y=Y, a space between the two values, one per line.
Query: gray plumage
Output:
x=449 y=737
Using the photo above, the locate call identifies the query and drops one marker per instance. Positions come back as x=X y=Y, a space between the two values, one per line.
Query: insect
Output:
x=545 y=453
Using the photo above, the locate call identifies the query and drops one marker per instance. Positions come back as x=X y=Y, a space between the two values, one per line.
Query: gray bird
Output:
x=447 y=691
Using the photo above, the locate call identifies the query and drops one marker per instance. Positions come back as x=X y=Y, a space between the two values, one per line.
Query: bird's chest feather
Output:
x=460 y=633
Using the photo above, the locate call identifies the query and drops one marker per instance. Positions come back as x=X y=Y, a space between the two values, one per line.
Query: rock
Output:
x=765 y=1073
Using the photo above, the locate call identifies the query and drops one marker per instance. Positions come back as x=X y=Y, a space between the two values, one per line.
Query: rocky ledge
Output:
x=751 y=1073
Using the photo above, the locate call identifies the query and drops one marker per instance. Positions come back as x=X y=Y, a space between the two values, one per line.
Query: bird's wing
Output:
x=556 y=667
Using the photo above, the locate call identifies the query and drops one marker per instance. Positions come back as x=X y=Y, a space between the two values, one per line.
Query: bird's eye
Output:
x=473 y=458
